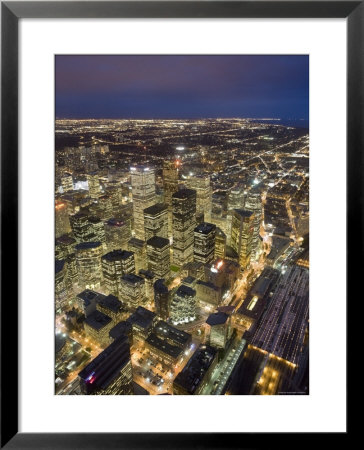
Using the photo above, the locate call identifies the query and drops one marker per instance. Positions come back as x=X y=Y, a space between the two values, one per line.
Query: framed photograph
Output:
x=181 y=195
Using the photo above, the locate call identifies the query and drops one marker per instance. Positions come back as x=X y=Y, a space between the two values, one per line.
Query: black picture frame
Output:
x=11 y=12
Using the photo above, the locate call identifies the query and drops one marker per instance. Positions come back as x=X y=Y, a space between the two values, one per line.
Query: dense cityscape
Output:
x=181 y=257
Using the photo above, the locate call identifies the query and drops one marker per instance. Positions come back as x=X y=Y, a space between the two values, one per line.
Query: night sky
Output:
x=110 y=86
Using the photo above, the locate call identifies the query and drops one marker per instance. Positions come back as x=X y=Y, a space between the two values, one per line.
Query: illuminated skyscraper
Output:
x=220 y=244
x=143 y=190
x=170 y=186
x=67 y=183
x=159 y=257
x=184 y=222
x=114 y=265
x=156 y=221
x=236 y=200
x=97 y=229
x=201 y=184
x=117 y=234
x=93 y=185
x=81 y=227
x=183 y=305
x=62 y=219
x=88 y=258
x=132 y=290
x=254 y=203
x=161 y=299
x=242 y=231
x=139 y=248
x=204 y=242
x=110 y=373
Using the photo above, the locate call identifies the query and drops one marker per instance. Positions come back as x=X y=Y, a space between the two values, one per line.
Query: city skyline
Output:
x=181 y=245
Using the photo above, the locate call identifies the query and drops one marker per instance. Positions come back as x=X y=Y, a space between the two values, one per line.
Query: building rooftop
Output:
x=244 y=212
x=155 y=209
x=89 y=296
x=120 y=329
x=184 y=193
x=179 y=337
x=59 y=264
x=146 y=274
x=218 y=318
x=131 y=278
x=164 y=346
x=111 y=302
x=185 y=291
x=158 y=242
x=208 y=284
x=142 y=317
x=160 y=287
x=87 y=245
x=205 y=228
x=115 y=222
x=117 y=255
x=195 y=370
x=65 y=240
x=97 y=320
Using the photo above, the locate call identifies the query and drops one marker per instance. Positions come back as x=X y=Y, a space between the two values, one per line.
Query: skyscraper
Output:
x=220 y=244
x=88 y=258
x=170 y=186
x=184 y=222
x=93 y=185
x=114 y=265
x=204 y=242
x=183 y=305
x=117 y=234
x=81 y=227
x=159 y=258
x=236 y=200
x=132 y=290
x=156 y=221
x=139 y=248
x=143 y=190
x=161 y=299
x=110 y=373
x=242 y=231
x=254 y=203
x=201 y=184
x=62 y=219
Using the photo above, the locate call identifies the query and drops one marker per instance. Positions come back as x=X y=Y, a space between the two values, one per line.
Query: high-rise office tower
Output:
x=201 y=184
x=204 y=242
x=139 y=248
x=220 y=244
x=242 y=231
x=184 y=222
x=62 y=219
x=143 y=190
x=88 y=258
x=81 y=227
x=161 y=299
x=65 y=249
x=220 y=329
x=114 y=265
x=97 y=228
x=132 y=290
x=67 y=182
x=110 y=373
x=159 y=257
x=253 y=203
x=93 y=185
x=156 y=221
x=170 y=186
x=236 y=200
x=183 y=305
x=117 y=234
